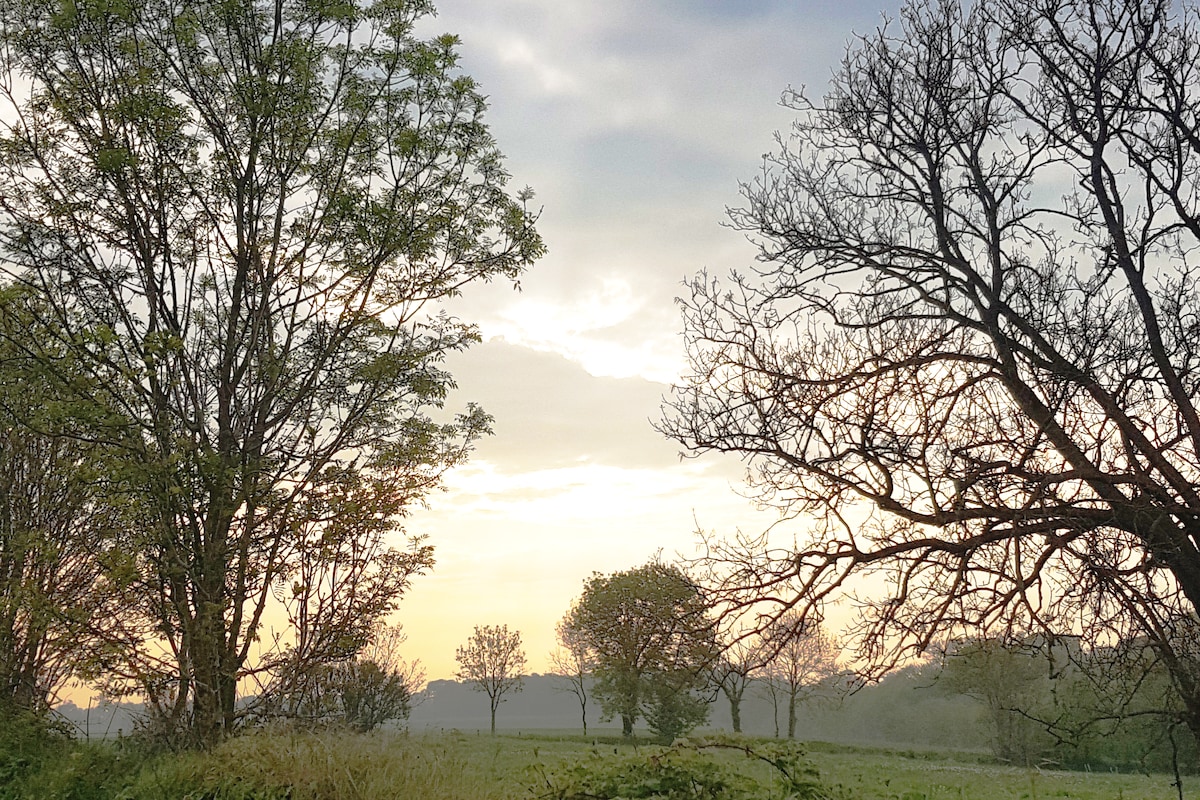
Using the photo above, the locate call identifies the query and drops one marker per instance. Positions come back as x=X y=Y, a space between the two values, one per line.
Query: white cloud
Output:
x=518 y=54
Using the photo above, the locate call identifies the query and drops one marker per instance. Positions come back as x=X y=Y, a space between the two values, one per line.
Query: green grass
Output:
x=468 y=766
x=876 y=774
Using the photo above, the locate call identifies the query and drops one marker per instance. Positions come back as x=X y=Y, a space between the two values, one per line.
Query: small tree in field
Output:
x=799 y=661
x=493 y=662
x=573 y=661
x=652 y=641
x=733 y=673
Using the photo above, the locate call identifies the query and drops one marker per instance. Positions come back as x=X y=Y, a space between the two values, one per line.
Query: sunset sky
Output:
x=633 y=122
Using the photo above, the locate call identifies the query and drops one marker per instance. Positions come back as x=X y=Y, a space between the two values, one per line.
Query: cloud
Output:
x=634 y=122
x=550 y=413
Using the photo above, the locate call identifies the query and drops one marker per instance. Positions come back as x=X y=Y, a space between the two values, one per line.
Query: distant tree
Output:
x=243 y=217
x=358 y=694
x=651 y=639
x=383 y=648
x=968 y=350
x=734 y=672
x=1012 y=682
x=573 y=662
x=799 y=661
x=362 y=690
x=493 y=662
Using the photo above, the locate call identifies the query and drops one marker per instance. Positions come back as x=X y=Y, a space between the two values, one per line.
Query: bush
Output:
x=706 y=769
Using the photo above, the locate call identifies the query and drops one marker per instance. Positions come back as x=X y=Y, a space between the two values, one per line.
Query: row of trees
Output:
x=645 y=644
x=227 y=230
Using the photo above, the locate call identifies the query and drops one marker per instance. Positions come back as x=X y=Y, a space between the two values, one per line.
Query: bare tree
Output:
x=733 y=672
x=799 y=661
x=970 y=352
x=363 y=689
x=493 y=662
x=383 y=648
x=573 y=661
x=243 y=218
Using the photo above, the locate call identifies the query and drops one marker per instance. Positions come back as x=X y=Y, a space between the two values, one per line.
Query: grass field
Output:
x=469 y=766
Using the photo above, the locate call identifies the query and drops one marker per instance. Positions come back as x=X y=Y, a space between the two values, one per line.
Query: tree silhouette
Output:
x=969 y=350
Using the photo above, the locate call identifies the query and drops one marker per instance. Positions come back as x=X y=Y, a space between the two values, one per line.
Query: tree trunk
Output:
x=735 y=712
x=791 y=715
x=626 y=726
x=493 y=719
x=206 y=716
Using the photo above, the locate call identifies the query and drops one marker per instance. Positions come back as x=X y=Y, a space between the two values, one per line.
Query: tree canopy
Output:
x=243 y=217
x=968 y=351
x=650 y=639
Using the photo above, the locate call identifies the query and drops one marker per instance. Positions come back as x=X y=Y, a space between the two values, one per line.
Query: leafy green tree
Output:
x=968 y=348
x=652 y=640
x=493 y=662
x=243 y=217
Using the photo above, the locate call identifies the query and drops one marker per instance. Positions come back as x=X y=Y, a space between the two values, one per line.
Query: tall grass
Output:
x=451 y=766
x=321 y=767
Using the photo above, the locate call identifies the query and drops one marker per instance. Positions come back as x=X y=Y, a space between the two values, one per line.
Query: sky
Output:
x=634 y=123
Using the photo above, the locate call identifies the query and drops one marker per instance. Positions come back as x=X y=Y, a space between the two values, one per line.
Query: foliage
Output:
x=492 y=661
x=651 y=639
x=688 y=770
x=27 y=741
x=241 y=219
x=1118 y=709
x=1013 y=683
x=59 y=515
x=359 y=694
x=372 y=687
x=374 y=767
x=968 y=351
x=1055 y=702
x=672 y=703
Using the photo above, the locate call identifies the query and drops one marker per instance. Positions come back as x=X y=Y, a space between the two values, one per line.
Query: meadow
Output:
x=473 y=766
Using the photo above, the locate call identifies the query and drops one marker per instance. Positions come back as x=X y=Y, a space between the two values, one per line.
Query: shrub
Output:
x=703 y=769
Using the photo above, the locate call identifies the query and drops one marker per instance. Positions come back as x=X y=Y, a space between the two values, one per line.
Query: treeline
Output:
x=647 y=645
